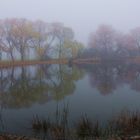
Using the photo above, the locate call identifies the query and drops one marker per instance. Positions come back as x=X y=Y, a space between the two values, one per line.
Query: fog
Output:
x=83 y=16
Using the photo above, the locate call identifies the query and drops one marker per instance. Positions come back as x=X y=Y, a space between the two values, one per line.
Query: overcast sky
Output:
x=82 y=15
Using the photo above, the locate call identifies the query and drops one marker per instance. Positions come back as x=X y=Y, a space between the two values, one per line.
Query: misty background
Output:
x=83 y=16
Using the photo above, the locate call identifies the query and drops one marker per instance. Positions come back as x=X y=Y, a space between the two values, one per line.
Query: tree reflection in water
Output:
x=107 y=77
x=25 y=86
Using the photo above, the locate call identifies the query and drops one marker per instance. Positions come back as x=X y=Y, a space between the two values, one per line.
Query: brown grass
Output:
x=7 y=64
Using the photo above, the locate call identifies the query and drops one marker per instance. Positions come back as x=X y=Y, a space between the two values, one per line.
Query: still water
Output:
x=100 y=91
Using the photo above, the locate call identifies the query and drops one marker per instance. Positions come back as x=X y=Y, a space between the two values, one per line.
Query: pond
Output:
x=99 y=91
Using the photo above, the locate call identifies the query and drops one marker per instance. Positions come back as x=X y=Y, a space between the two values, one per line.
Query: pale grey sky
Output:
x=82 y=15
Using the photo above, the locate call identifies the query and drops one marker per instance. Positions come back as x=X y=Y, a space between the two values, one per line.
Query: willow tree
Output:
x=72 y=49
x=41 y=38
x=22 y=36
x=6 y=41
x=103 y=40
x=61 y=34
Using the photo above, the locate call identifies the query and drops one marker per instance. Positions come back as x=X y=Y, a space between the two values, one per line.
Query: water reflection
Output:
x=107 y=77
x=37 y=90
x=25 y=86
x=1 y=119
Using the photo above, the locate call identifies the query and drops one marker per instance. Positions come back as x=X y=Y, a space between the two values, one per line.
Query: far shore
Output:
x=7 y=64
x=16 y=63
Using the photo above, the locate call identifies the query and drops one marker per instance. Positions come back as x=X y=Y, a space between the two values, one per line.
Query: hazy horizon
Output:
x=83 y=16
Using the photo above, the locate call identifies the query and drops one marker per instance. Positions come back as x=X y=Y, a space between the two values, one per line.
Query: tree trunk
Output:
x=60 y=50
x=12 y=56
x=22 y=52
x=0 y=55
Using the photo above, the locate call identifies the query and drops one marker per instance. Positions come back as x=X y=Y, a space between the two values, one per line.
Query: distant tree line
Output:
x=23 y=38
x=107 y=43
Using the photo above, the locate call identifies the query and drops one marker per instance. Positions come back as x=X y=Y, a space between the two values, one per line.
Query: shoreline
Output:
x=15 y=137
x=7 y=64
x=17 y=63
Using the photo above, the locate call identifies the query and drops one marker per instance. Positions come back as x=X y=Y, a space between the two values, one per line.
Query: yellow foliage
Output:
x=40 y=51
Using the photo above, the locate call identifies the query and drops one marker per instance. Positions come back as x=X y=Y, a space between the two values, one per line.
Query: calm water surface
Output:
x=100 y=91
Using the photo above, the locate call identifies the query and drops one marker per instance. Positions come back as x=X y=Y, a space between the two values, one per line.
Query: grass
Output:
x=7 y=64
x=85 y=128
x=40 y=125
x=10 y=63
x=57 y=129
x=126 y=124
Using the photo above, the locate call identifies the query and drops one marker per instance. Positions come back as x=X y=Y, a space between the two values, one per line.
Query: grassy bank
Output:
x=7 y=64
x=124 y=126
